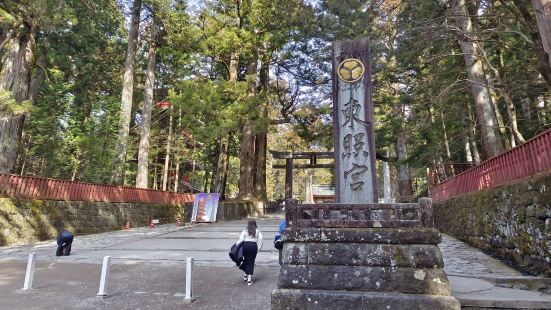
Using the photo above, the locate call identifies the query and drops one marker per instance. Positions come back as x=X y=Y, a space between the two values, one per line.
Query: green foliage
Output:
x=8 y=105
x=65 y=136
x=419 y=80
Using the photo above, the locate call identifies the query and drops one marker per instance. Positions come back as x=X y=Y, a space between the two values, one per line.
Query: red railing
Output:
x=526 y=160
x=52 y=189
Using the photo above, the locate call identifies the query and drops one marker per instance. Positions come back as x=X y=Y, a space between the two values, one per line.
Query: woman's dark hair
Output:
x=251 y=228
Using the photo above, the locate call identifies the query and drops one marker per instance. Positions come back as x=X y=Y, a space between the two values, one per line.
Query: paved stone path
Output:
x=478 y=280
x=167 y=244
x=149 y=272
x=461 y=259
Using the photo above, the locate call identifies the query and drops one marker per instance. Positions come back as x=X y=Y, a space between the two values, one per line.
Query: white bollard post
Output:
x=189 y=266
x=104 y=276
x=30 y=272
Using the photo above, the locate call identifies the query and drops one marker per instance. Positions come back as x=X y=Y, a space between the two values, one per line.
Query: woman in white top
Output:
x=252 y=243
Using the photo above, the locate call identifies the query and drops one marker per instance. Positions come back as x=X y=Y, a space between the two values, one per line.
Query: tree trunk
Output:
x=526 y=109
x=262 y=137
x=527 y=121
x=178 y=151
x=193 y=170
x=127 y=92
x=544 y=64
x=405 y=190
x=438 y=161
x=155 y=175
x=541 y=111
x=17 y=62
x=234 y=66
x=15 y=75
x=467 y=140
x=11 y=128
x=499 y=117
x=387 y=189
x=143 y=149
x=471 y=50
x=516 y=136
x=512 y=114
x=509 y=104
x=247 y=162
x=24 y=159
x=446 y=142
x=472 y=135
x=543 y=16
x=75 y=165
x=308 y=193
x=206 y=183
x=247 y=145
x=260 y=169
x=36 y=79
x=177 y=175
x=167 y=150
x=221 y=174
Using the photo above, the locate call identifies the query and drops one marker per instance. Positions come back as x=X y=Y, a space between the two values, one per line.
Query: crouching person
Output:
x=64 y=242
x=278 y=244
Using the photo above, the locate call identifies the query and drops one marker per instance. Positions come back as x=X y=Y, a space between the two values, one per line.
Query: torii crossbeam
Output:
x=289 y=165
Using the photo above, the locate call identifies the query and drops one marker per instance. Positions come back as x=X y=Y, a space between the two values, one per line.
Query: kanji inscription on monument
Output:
x=355 y=175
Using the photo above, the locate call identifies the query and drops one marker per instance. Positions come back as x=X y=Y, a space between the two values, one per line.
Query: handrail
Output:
x=54 y=189
x=528 y=159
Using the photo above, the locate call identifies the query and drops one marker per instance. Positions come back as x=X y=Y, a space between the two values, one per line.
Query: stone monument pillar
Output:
x=355 y=172
x=358 y=254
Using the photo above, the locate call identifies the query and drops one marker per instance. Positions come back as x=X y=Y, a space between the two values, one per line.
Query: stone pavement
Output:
x=166 y=245
x=480 y=281
x=148 y=272
x=132 y=286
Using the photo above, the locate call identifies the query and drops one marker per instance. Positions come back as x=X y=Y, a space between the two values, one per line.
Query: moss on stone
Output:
x=25 y=220
x=517 y=213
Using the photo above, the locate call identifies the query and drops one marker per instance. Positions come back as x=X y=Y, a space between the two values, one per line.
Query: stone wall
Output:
x=28 y=220
x=512 y=222
x=229 y=210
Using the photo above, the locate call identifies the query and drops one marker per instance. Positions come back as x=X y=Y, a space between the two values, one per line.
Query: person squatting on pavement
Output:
x=278 y=244
x=64 y=242
x=252 y=243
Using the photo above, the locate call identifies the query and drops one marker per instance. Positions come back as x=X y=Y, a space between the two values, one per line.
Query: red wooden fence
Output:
x=523 y=161
x=52 y=189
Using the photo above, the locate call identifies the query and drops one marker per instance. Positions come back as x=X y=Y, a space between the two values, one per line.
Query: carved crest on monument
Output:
x=351 y=70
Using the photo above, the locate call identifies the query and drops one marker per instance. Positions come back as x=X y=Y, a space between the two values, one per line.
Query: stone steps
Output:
x=475 y=293
x=528 y=283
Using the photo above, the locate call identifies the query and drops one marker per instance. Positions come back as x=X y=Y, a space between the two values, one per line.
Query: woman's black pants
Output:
x=249 y=254
x=64 y=240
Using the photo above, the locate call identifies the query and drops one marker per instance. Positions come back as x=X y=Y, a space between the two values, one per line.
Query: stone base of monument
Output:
x=323 y=299
x=362 y=256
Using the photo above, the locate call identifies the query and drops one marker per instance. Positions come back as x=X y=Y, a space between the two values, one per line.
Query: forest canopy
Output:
x=181 y=94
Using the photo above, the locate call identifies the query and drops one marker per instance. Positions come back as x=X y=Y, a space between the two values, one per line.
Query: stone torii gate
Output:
x=289 y=165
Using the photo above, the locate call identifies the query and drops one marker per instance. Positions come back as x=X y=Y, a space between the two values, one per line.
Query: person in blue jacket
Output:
x=278 y=244
x=64 y=242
